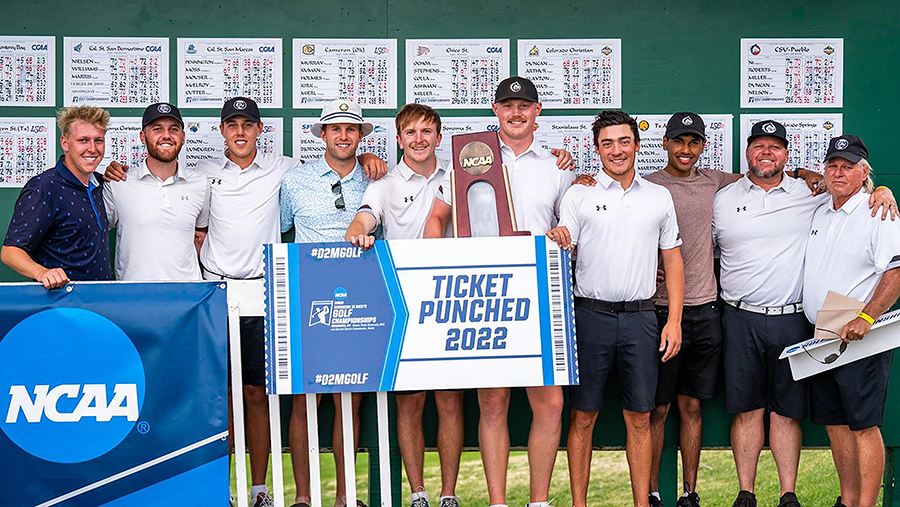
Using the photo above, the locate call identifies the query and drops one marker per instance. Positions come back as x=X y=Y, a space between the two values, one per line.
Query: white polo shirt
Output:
x=762 y=240
x=155 y=222
x=847 y=253
x=402 y=200
x=619 y=234
x=243 y=213
x=536 y=184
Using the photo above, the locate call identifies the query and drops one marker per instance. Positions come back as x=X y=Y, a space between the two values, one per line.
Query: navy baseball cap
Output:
x=160 y=110
x=240 y=106
x=848 y=147
x=768 y=128
x=685 y=123
x=516 y=87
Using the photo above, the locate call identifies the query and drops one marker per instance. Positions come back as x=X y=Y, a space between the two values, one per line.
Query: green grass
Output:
x=817 y=483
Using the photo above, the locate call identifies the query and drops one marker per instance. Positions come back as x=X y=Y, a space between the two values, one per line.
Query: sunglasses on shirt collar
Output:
x=339 y=200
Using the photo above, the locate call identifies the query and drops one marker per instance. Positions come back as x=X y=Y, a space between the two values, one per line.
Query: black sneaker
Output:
x=839 y=503
x=655 y=502
x=789 y=499
x=420 y=502
x=744 y=499
x=691 y=500
x=450 y=501
x=264 y=500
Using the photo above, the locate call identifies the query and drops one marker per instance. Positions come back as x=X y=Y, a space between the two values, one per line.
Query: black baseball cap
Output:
x=769 y=128
x=847 y=146
x=240 y=106
x=516 y=87
x=685 y=123
x=160 y=110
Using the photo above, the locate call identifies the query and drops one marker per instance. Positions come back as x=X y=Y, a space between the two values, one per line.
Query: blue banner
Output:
x=113 y=394
x=419 y=314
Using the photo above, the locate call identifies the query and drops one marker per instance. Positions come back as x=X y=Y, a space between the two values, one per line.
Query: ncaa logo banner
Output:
x=113 y=394
x=415 y=314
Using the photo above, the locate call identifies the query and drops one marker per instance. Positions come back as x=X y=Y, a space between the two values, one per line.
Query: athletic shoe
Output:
x=839 y=503
x=691 y=500
x=231 y=501
x=745 y=499
x=300 y=504
x=789 y=500
x=264 y=500
x=655 y=502
x=420 y=502
x=450 y=501
x=359 y=503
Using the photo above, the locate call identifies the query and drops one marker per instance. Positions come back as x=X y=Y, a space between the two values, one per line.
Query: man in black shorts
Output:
x=619 y=226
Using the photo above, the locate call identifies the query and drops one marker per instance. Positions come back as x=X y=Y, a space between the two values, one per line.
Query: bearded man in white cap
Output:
x=319 y=200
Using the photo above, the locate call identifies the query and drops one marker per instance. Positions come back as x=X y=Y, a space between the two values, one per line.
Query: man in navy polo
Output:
x=59 y=230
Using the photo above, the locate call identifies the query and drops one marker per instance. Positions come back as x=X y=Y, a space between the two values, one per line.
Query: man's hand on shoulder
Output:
x=53 y=278
x=882 y=198
x=115 y=172
x=564 y=159
x=587 y=180
x=374 y=167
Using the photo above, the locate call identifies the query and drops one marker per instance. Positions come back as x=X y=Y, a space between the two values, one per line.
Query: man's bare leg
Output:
x=256 y=409
x=579 y=446
x=689 y=438
x=298 y=438
x=639 y=452
x=450 y=437
x=747 y=437
x=411 y=437
x=785 y=439
x=845 y=456
x=493 y=440
x=543 y=440
x=870 y=448
x=657 y=435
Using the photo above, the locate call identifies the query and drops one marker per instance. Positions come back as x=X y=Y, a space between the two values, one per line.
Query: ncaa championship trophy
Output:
x=482 y=202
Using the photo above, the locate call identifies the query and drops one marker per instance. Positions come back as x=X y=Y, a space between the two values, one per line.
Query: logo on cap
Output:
x=164 y=108
x=515 y=87
x=687 y=120
x=769 y=128
x=344 y=106
x=239 y=105
x=841 y=144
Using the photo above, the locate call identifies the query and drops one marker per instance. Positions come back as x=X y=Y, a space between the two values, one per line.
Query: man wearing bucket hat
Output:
x=157 y=211
x=857 y=256
x=319 y=200
x=761 y=224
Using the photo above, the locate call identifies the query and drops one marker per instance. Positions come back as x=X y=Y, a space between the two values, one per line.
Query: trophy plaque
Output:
x=482 y=202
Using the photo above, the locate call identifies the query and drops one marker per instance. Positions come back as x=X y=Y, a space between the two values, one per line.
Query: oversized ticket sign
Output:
x=482 y=202
x=418 y=314
x=110 y=397
x=816 y=355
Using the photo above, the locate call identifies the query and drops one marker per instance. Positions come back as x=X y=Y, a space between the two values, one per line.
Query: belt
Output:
x=226 y=277
x=768 y=310
x=597 y=305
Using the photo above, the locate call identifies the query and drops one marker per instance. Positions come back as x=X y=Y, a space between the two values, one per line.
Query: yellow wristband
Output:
x=866 y=317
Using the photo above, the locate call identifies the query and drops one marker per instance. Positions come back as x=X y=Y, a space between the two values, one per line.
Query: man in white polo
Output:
x=858 y=256
x=537 y=186
x=620 y=226
x=761 y=224
x=400 y=202
x=158 y=209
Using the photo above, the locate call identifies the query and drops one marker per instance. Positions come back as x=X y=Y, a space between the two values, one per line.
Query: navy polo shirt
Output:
x=61 y=223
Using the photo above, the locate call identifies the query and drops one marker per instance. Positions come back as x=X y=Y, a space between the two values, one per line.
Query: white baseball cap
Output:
x=341 y=111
